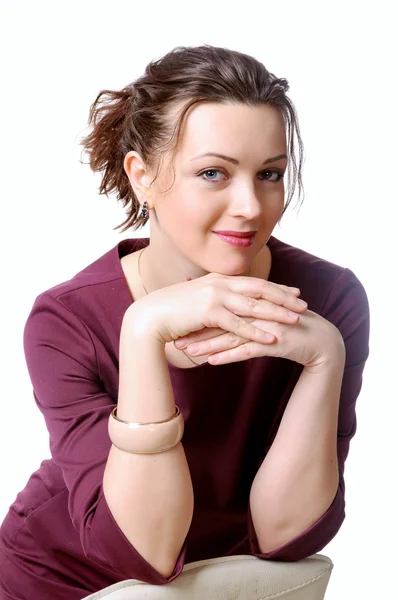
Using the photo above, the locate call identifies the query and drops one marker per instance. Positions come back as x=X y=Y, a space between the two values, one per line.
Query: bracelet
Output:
x=146 y=438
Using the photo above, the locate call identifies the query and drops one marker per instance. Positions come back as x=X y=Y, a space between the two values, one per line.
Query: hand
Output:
x=309 y=340
x=226 y=302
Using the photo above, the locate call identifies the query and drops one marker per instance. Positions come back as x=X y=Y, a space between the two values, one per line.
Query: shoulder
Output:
x=91 y=294
x=333 y=291
x=316 y=277
x=101 y=271
x=293 y=262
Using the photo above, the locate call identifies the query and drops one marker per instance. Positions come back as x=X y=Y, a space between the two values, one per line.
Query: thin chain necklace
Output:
x=146 y=291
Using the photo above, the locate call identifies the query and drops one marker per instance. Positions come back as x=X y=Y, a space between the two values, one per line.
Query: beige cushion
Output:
x=240 y=577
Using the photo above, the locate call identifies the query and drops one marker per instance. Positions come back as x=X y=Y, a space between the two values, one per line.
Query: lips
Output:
x=235 y=240
x=239 y=234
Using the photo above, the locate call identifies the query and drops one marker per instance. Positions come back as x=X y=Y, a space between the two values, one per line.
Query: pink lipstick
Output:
x=236 y=240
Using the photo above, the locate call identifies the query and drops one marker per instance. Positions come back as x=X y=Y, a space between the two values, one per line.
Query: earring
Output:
x=144 y=210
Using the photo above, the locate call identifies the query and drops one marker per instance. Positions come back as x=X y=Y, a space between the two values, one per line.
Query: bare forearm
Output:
x=298 y=478
x=149 y=495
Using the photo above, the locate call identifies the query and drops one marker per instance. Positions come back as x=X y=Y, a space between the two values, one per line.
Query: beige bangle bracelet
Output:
x=146 y=438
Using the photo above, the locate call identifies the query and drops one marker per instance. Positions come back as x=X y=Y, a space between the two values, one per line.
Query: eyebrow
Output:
x=236 y=162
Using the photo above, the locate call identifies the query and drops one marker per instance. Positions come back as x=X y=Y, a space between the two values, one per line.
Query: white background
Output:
x=340 y=61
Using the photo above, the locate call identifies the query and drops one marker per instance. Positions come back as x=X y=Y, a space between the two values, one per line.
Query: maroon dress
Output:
x=59 y=538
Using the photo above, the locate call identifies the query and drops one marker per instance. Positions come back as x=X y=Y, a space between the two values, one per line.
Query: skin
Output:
x=240 y=197
x=299 y=477
x=247 y=196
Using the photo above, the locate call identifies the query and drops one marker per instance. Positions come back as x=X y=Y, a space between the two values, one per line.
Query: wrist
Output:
x=136 y=325
x=333 y=358
x=333 y=362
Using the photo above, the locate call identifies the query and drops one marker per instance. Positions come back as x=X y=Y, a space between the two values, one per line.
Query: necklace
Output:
x=146 y=291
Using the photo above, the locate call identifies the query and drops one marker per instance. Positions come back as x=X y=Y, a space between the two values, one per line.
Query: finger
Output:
x=222 y=343
x=268 y=290
x=259 y=308
x=243 y=352
x=236 y=324
x=204 y=334
x=196 y=336
x=287 y=297
x=293 y=290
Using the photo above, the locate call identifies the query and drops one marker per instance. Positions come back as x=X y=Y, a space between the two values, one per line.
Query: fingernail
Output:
x=180 y=343
x=269 y=337
x=302 y=302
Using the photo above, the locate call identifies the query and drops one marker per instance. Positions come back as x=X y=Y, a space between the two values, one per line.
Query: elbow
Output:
x=165 y=567
x=154 y=570
x=311 y=542
x=283 y=546
x=104 y=543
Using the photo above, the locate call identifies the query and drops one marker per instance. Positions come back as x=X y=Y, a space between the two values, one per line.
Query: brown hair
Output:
x=138 y=117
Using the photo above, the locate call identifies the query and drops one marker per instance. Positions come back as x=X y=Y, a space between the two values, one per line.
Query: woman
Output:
x=249 y=433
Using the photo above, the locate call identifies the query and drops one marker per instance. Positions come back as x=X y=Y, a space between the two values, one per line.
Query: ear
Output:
x=137 y=173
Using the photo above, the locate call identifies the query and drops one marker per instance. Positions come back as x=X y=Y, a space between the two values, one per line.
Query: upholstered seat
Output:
x=239 y=577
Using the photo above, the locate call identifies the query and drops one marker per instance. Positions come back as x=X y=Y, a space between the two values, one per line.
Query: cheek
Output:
x=275 y=203
x=197 y=210
x=184 y=214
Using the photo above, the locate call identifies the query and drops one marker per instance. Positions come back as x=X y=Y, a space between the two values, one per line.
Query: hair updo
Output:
x=140 y=116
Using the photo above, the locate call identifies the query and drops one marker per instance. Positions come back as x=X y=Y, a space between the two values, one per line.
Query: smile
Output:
x=236 y=241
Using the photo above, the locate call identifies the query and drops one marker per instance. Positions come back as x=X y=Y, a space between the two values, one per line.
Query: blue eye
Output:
x=279 y=175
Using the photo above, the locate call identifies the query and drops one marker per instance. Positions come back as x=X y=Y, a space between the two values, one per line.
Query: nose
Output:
x=245 y=202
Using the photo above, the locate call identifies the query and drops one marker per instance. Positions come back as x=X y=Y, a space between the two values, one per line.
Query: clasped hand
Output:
x=307 y=339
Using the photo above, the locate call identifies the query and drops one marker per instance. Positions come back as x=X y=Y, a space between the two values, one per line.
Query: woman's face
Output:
x=212 y=193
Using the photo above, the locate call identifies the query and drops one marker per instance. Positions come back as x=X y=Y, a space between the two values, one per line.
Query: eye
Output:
x=276 y=172
x=279 y=175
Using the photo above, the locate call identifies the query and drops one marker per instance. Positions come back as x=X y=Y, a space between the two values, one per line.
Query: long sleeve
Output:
x=346 y=306
x=62 y=364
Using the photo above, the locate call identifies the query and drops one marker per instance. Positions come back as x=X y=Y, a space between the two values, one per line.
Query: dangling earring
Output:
x=144 y=210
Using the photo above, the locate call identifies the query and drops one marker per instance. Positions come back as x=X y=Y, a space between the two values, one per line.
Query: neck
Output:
x=156 y=272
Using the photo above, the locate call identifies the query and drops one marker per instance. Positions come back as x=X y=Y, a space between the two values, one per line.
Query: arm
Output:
x=299 y=477
x=308 y=516
x=150 y=496
x=65 y=360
